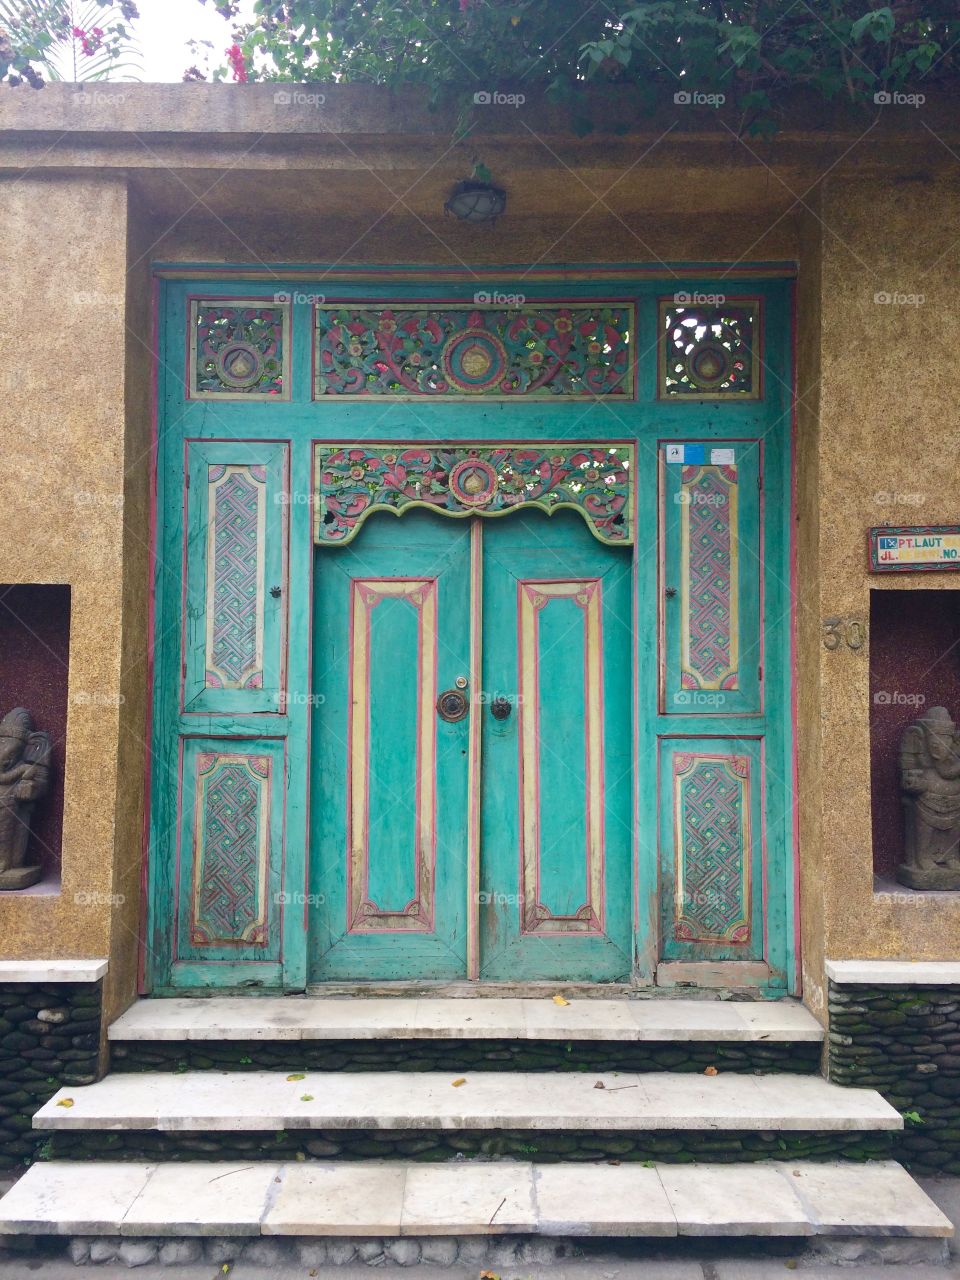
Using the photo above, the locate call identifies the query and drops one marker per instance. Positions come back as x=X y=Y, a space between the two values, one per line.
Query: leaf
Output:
x=458 y=1082
x=879 y=23
x=489 y=1275
x=65 y=1102
x=599 y=1085
x=306 y=1097
x=299 y=1075
x=710 y=1071
x=560 y=1000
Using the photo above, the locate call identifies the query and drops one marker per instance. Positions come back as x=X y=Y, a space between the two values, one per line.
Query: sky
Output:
x=166 y=26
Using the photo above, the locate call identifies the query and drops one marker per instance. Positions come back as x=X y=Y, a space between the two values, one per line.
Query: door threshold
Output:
x=463 y=990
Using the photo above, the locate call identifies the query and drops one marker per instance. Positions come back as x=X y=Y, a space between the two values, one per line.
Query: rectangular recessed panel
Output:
x=392 y=805
x=712 y=547
x=711 y=850
x=231 y=849
x=235 y=564
x=561 y=743
x=239 y=350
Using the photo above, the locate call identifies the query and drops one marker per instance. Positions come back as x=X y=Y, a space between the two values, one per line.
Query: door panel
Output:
x=235 y=568
x=390 y=777
x=711 y=849
x=556 y=799
x=712 y=558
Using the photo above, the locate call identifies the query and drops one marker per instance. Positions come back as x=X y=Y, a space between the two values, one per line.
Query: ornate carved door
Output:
x=537 y=727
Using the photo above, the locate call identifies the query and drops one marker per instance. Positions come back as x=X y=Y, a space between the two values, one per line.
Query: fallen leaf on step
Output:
x=599 y=1085
x=458 y=1083
x=489 y=1275
x=65 y=1102
x=297 y=1076
x=791 y=1265
x=710 y=1071
x=560 y=1000
x=306 y=1097
x=613 y=1162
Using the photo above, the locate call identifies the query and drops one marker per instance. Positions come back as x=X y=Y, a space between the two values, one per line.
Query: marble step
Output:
x=426 y=1018
x=222 y=1101
x=408 y=1199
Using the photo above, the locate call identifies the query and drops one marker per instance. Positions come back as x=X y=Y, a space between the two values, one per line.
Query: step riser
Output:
x=801 y=1058
x=546 y=1146
x=499 y=1252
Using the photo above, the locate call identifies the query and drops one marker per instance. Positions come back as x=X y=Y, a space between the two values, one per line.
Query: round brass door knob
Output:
x=452 y=705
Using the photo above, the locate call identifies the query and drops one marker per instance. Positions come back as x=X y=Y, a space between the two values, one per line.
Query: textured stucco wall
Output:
x=887 y=451
x=63 y=266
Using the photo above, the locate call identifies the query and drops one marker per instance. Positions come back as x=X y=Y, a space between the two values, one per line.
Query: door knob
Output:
x=452 y=705
x=501 y=707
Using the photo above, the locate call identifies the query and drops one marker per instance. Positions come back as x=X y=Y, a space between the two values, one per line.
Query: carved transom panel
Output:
x=461 y=480
x=239 y=350
x=710 y=352
x=543 y=351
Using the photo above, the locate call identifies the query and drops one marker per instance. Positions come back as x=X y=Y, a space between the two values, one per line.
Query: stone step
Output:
x=377 y=1199
x=213 y=1101
x=249 y=1018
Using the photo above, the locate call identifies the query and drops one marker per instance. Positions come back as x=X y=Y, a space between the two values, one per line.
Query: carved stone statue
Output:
x=24 y=779
x=930 y=783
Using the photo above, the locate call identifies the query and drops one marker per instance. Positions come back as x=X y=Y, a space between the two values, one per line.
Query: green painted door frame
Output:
x=244 y=721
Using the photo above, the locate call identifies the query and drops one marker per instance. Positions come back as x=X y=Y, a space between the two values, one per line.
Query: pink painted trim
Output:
x=474 y=749
x=529 y=586
x=795 y=983
x=370 y=599
x=145 y=913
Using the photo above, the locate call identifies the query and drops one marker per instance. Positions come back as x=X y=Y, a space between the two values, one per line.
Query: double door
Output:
x=471 y=794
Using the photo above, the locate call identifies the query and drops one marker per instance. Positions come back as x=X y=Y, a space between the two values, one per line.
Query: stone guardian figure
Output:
x=930 y=786
x=24 y=779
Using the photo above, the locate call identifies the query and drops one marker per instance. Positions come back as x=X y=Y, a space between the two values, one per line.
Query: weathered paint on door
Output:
x=667 y=657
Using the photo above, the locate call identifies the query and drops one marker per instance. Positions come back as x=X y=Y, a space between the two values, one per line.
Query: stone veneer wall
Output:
x=49 y=1037
x=905 y=1042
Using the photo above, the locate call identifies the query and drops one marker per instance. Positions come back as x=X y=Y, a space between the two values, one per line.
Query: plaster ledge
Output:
x=52 y=970
x=899 y=973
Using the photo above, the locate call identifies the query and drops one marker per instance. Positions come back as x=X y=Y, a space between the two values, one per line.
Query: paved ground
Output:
x=729 y=1269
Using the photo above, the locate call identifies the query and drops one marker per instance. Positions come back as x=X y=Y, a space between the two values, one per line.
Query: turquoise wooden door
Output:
x=599 y=537
x=557 y=761
x=390 y=784
x=495 y=841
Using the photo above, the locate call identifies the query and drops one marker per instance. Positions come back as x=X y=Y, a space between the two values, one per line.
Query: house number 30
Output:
x=843 y=631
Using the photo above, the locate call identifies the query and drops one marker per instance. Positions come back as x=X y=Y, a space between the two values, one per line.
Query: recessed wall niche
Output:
x=914 y=664
x=34 y=657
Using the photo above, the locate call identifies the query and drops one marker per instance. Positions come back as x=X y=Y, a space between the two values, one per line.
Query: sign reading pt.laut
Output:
x=915 y=549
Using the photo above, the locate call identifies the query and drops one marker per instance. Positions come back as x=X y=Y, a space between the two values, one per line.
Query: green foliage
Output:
x=75 y=40
x=913 y=1117
x=752 y=52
